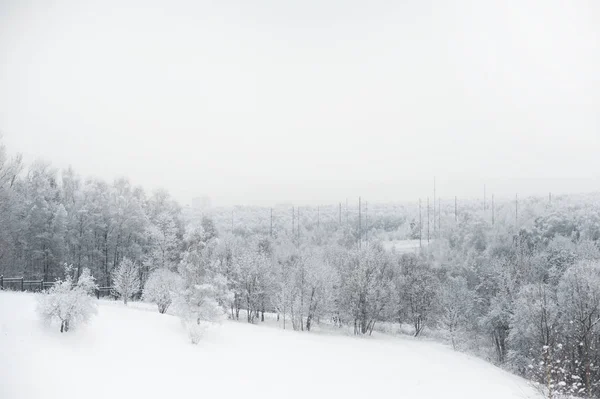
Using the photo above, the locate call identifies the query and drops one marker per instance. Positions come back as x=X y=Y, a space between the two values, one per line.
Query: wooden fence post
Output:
x=22 y=283
x=42 y=285
x=1 y=282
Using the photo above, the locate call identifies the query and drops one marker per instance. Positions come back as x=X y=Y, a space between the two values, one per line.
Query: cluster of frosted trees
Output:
x=50 y=218
x=525 y=297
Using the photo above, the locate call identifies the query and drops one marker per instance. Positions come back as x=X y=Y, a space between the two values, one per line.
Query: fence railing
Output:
x=20 y=284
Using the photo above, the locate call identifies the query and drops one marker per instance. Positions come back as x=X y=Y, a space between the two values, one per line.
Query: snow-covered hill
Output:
x=132 y=353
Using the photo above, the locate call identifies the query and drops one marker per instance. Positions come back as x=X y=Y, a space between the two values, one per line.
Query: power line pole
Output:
x=318 y=218
x=427 y=220
x=455 y=208
x=439 y=216
x=434 y=189
x=347 y=217
x=516 y=211
x=367 y=221
x=493 y=211
x=420 y=225
x=484 y=198
x=359 y=220
x=293 y=222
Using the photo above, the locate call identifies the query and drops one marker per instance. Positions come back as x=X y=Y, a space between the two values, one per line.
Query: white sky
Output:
x=309 y=101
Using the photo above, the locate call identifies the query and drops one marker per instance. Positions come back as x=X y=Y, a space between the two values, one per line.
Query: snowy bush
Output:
x=69 y=302
x=161 y=287
x=198 y=307
x=195 y=331
x=126 y=279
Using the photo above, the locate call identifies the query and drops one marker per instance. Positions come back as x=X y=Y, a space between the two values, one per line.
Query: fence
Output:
x=20 y=284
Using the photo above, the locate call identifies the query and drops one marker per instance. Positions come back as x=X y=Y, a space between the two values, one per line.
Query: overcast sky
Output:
x=308 y=101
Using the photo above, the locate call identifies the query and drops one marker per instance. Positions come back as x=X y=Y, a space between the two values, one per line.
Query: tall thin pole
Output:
x=439 y=216
x=420 y=225
x=347 y=213
x=298 y=224
x=516 y=210
x=455 y=208
x=493 y=211
x=359 y=222
x=484 y=198
x=318 y=217
x=366 y=221
x=427 y=220
x=434 y=189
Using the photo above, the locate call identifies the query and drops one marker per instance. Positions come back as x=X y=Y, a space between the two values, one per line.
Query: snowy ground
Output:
x=137 y=353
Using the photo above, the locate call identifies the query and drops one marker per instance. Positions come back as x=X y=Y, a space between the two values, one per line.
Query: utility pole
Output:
x=298 y=210
x=434 y=189
x=271 y=223
x=516 y=210
x=318 y=218
x=484 y=199
x=493 y=211
x=455 y=208
x=427 y=220
x=367 y=221
x=439 y=216
x=347 y=218
x=420 y=225
x=359 y=221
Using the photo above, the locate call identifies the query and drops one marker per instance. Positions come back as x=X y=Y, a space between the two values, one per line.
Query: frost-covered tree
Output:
x=366 y=288
x=418 y=291
x=534 y=325
x=68 y=301
x=456 y=304
x=161 y=288
x=126 y=279
x=579 y=301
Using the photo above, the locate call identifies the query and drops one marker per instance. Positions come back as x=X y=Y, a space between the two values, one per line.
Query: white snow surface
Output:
x=128 y=352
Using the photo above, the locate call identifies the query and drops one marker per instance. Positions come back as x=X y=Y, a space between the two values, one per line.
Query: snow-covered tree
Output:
x=418 y=291
x=126 y=279
x=161 y=288
x=456 y=303
x=69 y=302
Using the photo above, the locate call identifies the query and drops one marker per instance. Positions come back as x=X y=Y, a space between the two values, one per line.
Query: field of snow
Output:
x=137 y=353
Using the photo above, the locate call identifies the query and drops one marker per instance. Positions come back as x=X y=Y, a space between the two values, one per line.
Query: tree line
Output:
x=522 y=291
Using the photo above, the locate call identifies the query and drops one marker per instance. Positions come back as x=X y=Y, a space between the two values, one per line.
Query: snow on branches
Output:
x=68 y=301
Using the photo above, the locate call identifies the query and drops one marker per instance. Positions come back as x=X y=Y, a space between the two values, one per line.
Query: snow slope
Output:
x=128 y=352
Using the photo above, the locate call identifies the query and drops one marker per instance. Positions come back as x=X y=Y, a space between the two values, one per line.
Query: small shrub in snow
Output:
x=199 y=307
x=161 y=288
x=195 y=331
x=126 y=279
x=69 y=302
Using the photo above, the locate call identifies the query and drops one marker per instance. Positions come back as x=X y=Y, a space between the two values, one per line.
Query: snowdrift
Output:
x=133 y=353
